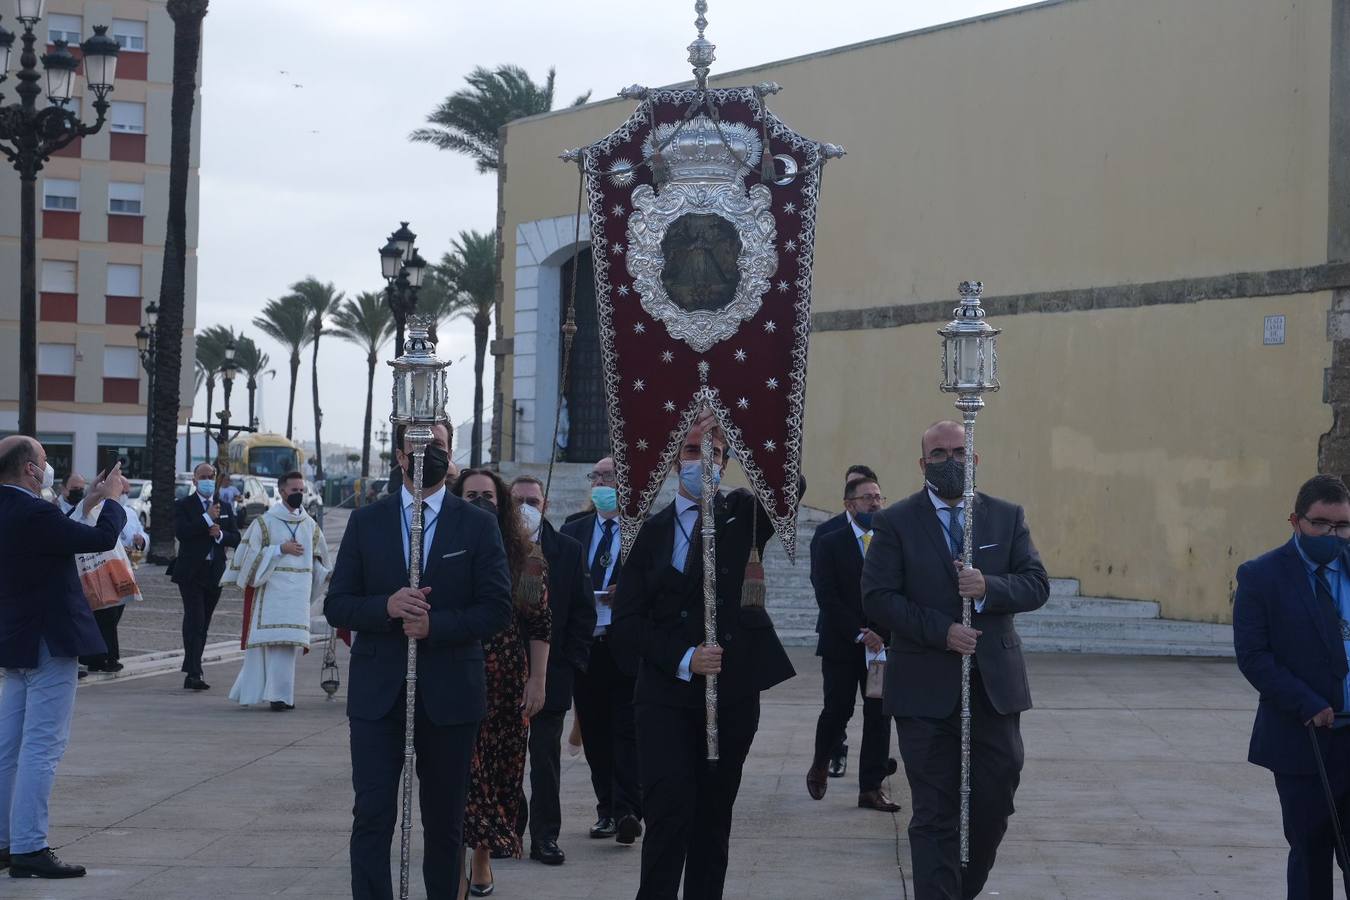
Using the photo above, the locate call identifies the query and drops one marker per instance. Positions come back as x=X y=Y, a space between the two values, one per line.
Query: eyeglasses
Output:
x=867 y=498
x=1322 y=527
x=941 y=455
x=602 y=477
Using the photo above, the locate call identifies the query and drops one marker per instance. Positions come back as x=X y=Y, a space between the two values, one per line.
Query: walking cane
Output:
x=1341 y=856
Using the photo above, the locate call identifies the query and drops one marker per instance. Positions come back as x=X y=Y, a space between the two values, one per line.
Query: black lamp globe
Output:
x=416 y=269
x=60 y=65
x=100 y=61
x=391 y=257
x=404 y=239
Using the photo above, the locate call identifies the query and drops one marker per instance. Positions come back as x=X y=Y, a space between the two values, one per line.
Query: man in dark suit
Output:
x=45 y=625
x=204 y=527
x=658 y=633
x=573 y=607
x=465 y=597
x=604 y=692
x=1291 y=637
x=838 y=764
x=913 y=582
x=846 y=637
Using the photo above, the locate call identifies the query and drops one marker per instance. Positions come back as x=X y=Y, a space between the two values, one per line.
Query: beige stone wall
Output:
x=1088 y=143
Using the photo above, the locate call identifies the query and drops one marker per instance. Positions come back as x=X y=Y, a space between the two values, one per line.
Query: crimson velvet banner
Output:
x=702 y=209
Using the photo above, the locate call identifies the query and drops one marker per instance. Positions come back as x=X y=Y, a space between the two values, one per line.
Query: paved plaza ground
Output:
x=1136 y=786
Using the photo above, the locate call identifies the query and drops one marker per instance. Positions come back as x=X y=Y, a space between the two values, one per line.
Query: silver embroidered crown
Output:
x=701 y=151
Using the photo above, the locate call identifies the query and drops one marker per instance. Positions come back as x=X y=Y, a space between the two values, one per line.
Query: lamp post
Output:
x=419 y=404
x=969 y=369
x=227 y=372
x=383 y=438
x=28 y=138
x=403 y=269
x=145 y=347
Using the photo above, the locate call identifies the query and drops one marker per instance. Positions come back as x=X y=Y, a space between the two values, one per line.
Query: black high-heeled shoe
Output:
x=482 y=890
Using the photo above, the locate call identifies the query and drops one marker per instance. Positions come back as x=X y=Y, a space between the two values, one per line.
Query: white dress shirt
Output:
x=858 y=533
x=429 y=519
x=944 y=517
x=598 y=535
x=132 y=529
x=686 y=515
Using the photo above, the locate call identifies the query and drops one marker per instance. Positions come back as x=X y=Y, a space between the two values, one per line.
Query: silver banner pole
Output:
x=709 y=587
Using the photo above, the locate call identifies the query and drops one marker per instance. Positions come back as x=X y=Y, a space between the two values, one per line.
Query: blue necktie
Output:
x=955 y=531
x=603 y=557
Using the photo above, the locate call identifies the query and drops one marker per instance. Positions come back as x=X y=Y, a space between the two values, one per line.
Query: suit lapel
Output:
x=932 y=526
x=447 y=534
x=394 y=532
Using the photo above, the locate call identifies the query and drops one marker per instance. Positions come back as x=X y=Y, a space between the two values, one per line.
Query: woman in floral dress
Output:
x=515 y=689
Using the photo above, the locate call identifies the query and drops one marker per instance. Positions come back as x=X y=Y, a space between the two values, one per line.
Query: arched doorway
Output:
x=588 y=431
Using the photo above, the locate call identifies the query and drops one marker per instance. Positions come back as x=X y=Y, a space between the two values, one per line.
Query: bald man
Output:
x=45 y=625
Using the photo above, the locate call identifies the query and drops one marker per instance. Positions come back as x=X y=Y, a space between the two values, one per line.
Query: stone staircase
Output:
x=1068 y=623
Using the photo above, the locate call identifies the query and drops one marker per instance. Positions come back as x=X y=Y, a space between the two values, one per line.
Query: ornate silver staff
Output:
x=709 y=587
x=969 y=369
x=419 y=405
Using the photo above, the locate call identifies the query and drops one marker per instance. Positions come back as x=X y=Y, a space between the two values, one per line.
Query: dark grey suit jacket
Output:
x=909 y=585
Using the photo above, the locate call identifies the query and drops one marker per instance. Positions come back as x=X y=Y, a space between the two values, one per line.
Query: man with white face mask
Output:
x=573 y=607
x=45 y=624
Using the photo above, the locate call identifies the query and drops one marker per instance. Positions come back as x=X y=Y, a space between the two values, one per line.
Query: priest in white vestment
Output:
x=283 y=563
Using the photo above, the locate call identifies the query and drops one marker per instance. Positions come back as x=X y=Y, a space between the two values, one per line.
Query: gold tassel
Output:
x=530 y=588
x=753 y=589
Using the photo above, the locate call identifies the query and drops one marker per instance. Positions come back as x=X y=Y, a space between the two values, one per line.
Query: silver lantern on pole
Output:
x=419 y=404
x=969 y=370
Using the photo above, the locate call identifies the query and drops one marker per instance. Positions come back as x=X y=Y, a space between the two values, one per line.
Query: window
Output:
x=58 y=277
x=60 y=194
x=56 y=359
x=125 y=199
x=64 y=28
x=128 y=117
x=121 y=362
x=129 y=34
x=124 y=281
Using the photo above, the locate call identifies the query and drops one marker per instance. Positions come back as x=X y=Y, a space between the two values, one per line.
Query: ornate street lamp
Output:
x=420 y=393
x=969 y=369
x=227 y=373
x=28 y=138
x=146 y=348
x=403 y=269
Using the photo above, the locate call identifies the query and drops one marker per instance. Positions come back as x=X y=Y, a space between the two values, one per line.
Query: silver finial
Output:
x=573 y=155
x=832 y=151
x=701 y=50
x=634 y=92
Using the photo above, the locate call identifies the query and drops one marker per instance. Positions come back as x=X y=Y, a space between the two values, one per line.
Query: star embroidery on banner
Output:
x=770 y=446
x=622 y=290
x=784 y=287
x=789 y=208
x=740 y=355
x=639 y=328
x=772 y=384
x=770 y=327
x=667 y=356
x=668 y=406
x=617 y=249
x=703 y=367
x=641 y=444
x=639 y=385
x=743 y=403
x=618 y=209
x=790 y=245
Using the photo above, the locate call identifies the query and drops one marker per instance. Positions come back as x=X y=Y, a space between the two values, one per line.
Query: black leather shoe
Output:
x=4 y=859
x=281 y=706
x=604 y=827
x=194 y=683
x=630 y=829
x=548 y=853
x=877 y=800
x=892 y=766
x=41 y=864
x=839 y=764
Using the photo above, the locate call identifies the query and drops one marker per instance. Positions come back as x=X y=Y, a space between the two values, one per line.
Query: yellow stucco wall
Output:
x=1089 y=143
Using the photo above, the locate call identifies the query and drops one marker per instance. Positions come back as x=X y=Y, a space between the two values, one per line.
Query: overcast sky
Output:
x=306 y=166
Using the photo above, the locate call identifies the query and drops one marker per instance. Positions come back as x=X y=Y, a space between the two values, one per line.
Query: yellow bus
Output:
x=268 y=455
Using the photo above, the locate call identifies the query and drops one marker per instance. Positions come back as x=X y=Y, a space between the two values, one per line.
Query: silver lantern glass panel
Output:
x=420 y=383
x=969 y=347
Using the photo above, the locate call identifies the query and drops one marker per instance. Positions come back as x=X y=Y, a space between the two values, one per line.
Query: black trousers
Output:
x=604 y=697
x=845 y=681
x=106 y=619
x=931 y=749
x=443 y=755
x=1307 y=822
x=546 y=775
x=687 y=804
x=199 y=604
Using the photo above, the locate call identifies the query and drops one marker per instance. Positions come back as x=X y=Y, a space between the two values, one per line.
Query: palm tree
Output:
x=253 y=363
x=470 y=268
x=320 y=300
x=210 y=358
x=468 y=120
x=437 y=301
x=286 y=321
x=368 y=323
x=187 y=18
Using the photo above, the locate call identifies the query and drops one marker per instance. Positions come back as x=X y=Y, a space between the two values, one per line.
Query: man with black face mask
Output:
x=465 y=596
x=1291 y=635
x=72 y=493
x=912 y=583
